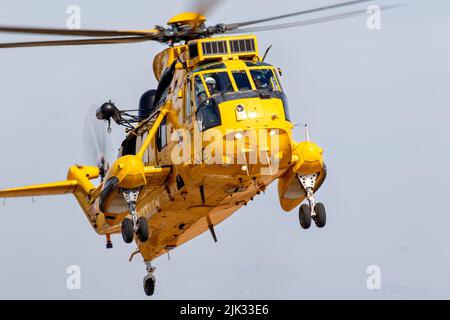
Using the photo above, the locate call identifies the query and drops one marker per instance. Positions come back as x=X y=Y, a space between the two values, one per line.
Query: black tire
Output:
x=142 y=231
x=321 y=215
x=127 y=230
x=149 y=286
x=304 y=216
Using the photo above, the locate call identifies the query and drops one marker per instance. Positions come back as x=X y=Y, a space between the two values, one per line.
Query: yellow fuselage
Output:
x=193 y=174
x=202 y=192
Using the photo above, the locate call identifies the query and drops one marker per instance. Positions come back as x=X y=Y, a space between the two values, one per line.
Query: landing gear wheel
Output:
x=304 y=215
x=149 y=286
x=127 y=230
x=142 y=231
x=321 y=215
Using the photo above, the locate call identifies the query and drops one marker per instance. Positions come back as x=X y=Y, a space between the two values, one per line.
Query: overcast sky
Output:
x=376 y=101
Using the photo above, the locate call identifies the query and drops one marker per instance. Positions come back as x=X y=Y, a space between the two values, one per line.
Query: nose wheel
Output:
x=312 y=211
x=149 y=279
x=136 y=225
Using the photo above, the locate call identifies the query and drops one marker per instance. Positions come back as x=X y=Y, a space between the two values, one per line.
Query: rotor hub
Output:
x=191 y=19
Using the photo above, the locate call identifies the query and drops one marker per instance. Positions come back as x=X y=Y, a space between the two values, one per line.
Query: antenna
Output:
x=306 y=132
x=265 y=53
x=306 y=129
x=182 y=63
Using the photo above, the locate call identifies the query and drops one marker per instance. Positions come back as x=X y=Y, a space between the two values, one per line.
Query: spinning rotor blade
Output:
x=97 y=144
x=319 y=9
x=310 y=21
x=53 y=43
x=203 y=7
x=194 y=29
x=74 y=32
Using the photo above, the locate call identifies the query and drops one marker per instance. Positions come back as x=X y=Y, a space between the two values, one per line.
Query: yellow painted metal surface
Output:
x=165 y=58
x=48 y=189
x=186 y=18
x=307 y=159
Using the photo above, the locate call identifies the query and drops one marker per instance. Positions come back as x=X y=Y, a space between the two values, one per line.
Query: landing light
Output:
x=240 y=108
x=238 y=135
x=240 y=112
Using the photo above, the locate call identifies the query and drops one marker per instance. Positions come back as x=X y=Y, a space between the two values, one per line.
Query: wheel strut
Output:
x=316 y=210
x=136 y=225
x=308 y=181
x=131 y=196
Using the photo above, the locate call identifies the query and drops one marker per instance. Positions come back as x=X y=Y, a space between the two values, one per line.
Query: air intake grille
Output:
x=243 y=45
x=214 y=48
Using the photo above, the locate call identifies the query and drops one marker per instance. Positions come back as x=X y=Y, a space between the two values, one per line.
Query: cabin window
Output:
x=218 y=83
x=251 y=63
x=128 y=145
x=161 y=138
x=264 y=79
x=241 y=79
x=188 y=101
x=285 y=108
x=278 y=80
x=164 y=85
x=208 y=115
x=200 y=92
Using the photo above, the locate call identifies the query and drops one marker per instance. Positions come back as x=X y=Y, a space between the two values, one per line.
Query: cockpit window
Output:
x=241 y=79
x=264 y=79
x=217 y=83
x=200 y=92
x=211 y=66
x=256 y=64
x=208 y=115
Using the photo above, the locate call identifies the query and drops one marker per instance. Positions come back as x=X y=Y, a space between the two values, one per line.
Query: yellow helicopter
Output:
x=213 y=134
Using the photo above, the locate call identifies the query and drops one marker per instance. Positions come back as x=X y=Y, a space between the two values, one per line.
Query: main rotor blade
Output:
x=74 y=32
x=310 y=21
x=80 y=42
x=202 y=8
x=319 y=9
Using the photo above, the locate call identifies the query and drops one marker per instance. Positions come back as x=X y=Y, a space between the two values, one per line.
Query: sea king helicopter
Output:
x=214 y=134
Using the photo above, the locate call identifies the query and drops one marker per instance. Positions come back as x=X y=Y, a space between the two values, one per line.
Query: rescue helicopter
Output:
x=213 y=90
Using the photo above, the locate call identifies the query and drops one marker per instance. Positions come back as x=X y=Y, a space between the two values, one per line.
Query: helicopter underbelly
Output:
x=209 y=193
x=214 y=193
x=177 y=220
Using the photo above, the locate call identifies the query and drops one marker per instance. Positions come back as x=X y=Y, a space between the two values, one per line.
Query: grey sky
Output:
x=376 y=101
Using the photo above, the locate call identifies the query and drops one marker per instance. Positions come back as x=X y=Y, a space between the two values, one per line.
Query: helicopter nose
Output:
x=255 y=148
